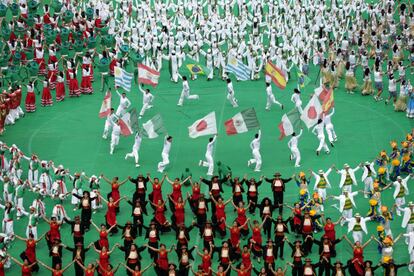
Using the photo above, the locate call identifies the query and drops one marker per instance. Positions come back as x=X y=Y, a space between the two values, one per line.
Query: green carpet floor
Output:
x=69 y=133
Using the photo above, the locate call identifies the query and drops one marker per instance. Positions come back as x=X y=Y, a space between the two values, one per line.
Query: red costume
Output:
x=111 y=214
x=103 y=239
x=162 y=260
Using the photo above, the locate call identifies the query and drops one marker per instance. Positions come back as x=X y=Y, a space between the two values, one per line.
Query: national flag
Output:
x=276 y=74
x=125 y=124
x=326 y=96
x=204 y=126
x=237 y=67
x=242 y=122
x=147 y=75
x=195 y=67
x=134 y=119
x=123 y=78
x=303 y=80
x=290 y=122
x=106 y=106
x=154 y=127
x=312 y=112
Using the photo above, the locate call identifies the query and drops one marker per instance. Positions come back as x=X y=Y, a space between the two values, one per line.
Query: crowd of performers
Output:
x=355 y=40
x=252 y=243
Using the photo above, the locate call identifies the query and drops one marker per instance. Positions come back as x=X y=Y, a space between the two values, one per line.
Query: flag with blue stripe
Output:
x=123 y=78
x=237 y=67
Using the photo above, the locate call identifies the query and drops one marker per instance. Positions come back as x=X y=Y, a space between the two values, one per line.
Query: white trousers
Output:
x=257 y=159
x=114 y=142
x=8 y=227
x=165 y=161
x=368 y=185
x=232 y=100
x=347 y=188
x=410 y=228
x=145 y=106
x=322 y=193
x=209 y=163
x=120 y=111
x=331 y=132
x=45 y=181
x=187 y=96
x=133 y=153
x=400 y=202
x=271 y=100
x=19 y=206
x=357 y=236
x=346 y=214
x=411 y=265
x=107 y=129
x=322 y=144
x=75 y=200
x=33 y=176
x=295 y=153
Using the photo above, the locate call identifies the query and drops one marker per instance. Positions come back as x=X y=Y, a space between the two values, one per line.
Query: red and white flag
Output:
x=106 y=106
x=147 y=75
x=326 y=97
x=205 y=126
x=312 y=112
x=125 y=124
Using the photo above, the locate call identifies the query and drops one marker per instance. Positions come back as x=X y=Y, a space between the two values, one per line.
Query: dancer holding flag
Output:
x=116 y=131
x=293 y=146
x=270 y=97
x=135 y=148
x=230 y=94
x=165 y=154
x=209 y=156
x=110 y=121
x=330 y=127
x=185 y=93
x=147 y=99
x=124 y=104
x=255 y=147
x=319 y=132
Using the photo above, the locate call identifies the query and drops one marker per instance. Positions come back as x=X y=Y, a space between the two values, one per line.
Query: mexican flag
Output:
x=204 y=126
x=290 y=122
x=242 y=122
x=312 y=112
x=106 y=106
x=154 y=127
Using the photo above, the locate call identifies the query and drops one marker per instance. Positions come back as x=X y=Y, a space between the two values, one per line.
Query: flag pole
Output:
x=319 y=72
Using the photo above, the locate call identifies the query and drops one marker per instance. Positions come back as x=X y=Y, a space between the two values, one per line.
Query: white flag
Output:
x=205 y=126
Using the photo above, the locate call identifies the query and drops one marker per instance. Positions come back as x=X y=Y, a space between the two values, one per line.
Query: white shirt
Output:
x=230 y=88
x=296 y=99
x=294 y=141
x=124 y=102
x=210 y=146
x=255 y=144
x=116 y=130
x=167 y=146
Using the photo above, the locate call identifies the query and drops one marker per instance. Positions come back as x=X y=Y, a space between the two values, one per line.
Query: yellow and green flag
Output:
x=195 y=68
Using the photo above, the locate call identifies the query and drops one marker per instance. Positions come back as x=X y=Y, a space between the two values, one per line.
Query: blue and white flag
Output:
x=237 y=67
x=123 y=78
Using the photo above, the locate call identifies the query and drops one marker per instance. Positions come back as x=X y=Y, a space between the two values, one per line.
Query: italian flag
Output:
x=290 y=122
x=106 y=106
x=242 y=122
x=154 y=127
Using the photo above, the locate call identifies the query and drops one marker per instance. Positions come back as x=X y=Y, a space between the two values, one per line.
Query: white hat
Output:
x=367 y=163
x=320 y=172
x=357 y=215
x=346 y=165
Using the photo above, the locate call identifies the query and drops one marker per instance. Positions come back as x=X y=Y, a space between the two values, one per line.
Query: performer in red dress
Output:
x=162 y=260
x=52 y=75
x=219 y=219
x=29 y=253
x=115 y=185
x=46 y=95
x=159 y=218
x=235 y=236
x=205 y=259
x=25 y=266
x=356 y=266
x=111 y=213
x=103 y=235
x=54 y=231
x=104 y=255
x=156 y=194
x=74 y=90
x=256 y=239
x=178 y=217
x=241 y=217
x=60 y=87
x=86 y=83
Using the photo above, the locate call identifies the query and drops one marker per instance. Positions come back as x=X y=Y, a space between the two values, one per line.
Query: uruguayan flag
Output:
x=123 y=78
x=237 y=67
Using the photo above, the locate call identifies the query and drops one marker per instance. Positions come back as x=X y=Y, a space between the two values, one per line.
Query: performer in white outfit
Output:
x=185 y=93
x=135 y=149
x=255 y=147
x=319 y=132
x=368 y=177
x=293 y=146
x=347 y=178
x=209 y=156
x=296 y=100
x=401 y=190
x=230 y=94
x=270 y=97
x=322 y=182
x=147 y=98
x=165 y=154
x=32 y=222
x=109 y=123
x=408 y=219
x=410 y=237
x=346 y=204
x=116 y=132
x=330 y=127
x=358 y=227
x=124 y=104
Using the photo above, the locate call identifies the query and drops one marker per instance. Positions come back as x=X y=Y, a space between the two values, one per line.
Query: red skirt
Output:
x=42 y=66
x=86 y=85
x=46 y=97
x=51 y=75
x=74 y=88
x=60 y=91
x=90 y=70
x=111 y=217
x=30 y=102
x=160 y=217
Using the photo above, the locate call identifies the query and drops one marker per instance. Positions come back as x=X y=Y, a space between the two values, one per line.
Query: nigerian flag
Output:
x=194 y=67
x=154 y=127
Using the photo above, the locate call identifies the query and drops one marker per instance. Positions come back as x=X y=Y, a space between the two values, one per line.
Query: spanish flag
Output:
x=277 y=75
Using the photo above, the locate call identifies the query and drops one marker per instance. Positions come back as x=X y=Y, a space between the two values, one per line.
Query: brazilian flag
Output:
x=194 y=67
x=303 y=80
